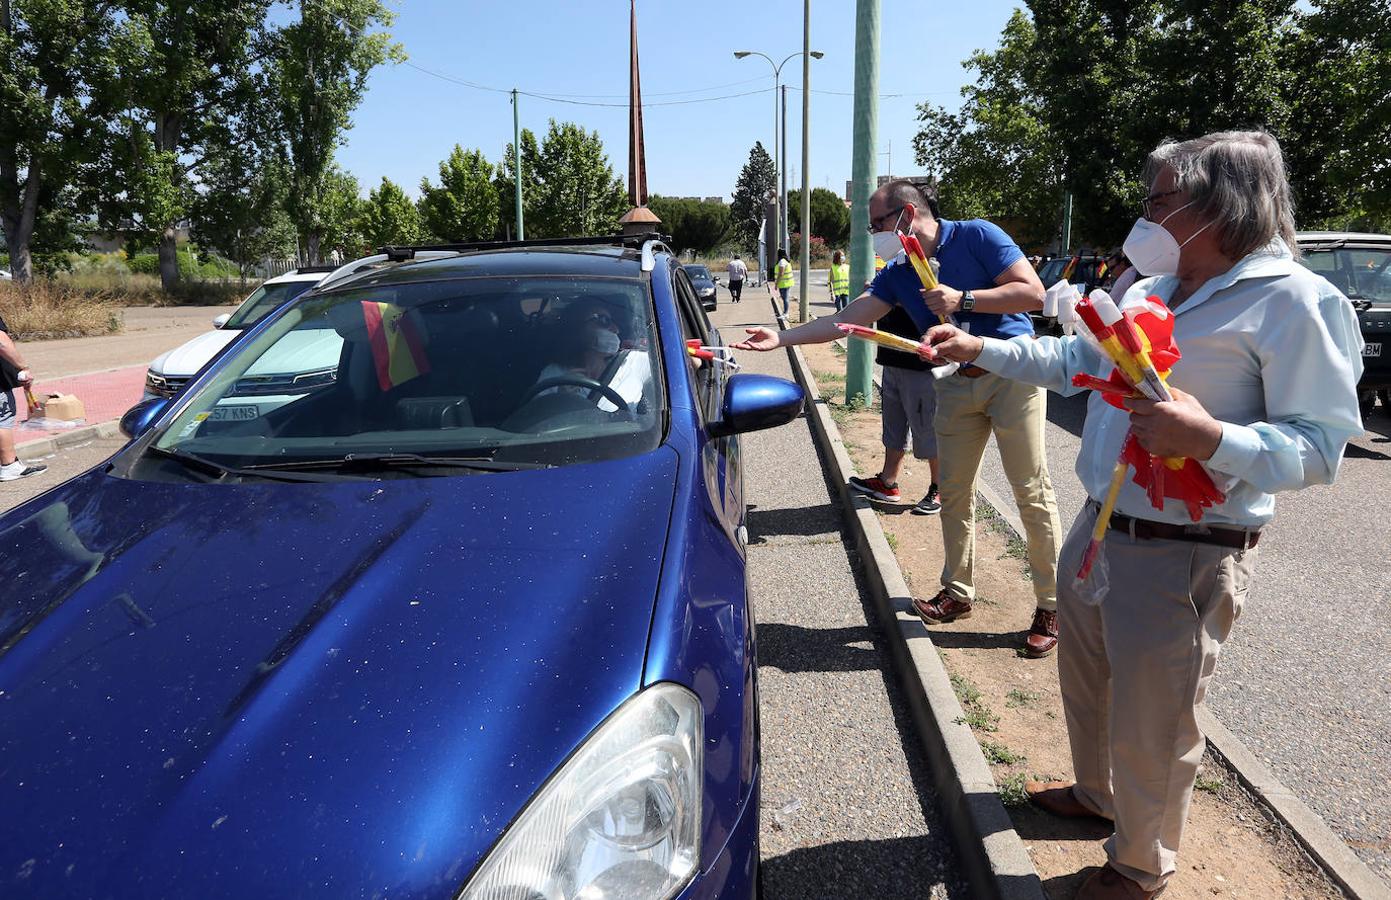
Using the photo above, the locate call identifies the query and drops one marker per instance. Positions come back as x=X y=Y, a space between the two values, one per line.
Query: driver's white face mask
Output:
x=604 y=341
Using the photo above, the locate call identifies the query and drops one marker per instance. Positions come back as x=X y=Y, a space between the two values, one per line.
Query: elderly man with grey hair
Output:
x=1265 y=397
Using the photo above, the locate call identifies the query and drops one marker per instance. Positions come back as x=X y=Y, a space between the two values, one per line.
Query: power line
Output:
x=566 y=98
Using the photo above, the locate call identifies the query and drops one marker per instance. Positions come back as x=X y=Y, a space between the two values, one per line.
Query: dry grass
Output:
x=47 y=309
x=131 y=289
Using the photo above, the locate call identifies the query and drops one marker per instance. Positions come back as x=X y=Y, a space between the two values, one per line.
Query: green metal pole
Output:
x=859 y=366
x=517 y=153
x=806 y=161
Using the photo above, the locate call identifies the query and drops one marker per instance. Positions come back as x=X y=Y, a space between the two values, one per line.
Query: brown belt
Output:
x=1165 y=531
x=970 y=372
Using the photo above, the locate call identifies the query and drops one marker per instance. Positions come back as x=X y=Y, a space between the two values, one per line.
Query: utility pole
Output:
x=806 y=161
x=859 y=366
x=784 y=236
x=517 y=152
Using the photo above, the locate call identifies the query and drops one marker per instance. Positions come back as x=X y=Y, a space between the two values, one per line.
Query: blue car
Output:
x=466 y=617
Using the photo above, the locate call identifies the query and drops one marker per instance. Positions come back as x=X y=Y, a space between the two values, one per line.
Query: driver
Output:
x=592 y=347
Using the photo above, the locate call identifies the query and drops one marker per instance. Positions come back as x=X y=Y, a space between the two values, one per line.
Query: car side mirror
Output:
x=755 y=402
x=142 y=415
x=716 y=279
x=221 y=320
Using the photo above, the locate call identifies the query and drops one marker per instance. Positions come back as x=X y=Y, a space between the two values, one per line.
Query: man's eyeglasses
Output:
x=1146 y=203
x=873 y=226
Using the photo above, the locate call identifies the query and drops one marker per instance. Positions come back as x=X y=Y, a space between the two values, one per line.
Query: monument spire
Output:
x=639 y=219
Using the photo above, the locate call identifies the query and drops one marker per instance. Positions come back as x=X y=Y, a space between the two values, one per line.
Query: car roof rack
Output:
x=310 y=270
x=648 y=243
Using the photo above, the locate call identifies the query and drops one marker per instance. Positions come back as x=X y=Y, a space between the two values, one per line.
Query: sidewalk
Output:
x=848 y=806
x=105 y=395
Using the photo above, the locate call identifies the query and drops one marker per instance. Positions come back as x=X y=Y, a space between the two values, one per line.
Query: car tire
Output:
x=1366 y=402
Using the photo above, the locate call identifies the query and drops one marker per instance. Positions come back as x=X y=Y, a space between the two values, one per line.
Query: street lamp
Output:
x=779 y=162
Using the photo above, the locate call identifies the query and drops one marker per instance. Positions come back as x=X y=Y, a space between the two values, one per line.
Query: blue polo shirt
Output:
x=972 y=254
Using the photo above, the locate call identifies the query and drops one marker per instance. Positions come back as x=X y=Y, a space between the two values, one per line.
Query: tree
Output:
x=579 y=192
x=239 y=208
x=318 y=74
x=757 y=184
x=830 y=218
x=340 y=216
x=389 y=217
x=189 y=84
x=505 y=183
x=54 y=96
x=693 y=224
x=465 y=205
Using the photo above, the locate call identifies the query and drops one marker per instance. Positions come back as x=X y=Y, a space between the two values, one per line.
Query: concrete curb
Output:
x=992 y=854
x=48 y=446
x=1328 y=851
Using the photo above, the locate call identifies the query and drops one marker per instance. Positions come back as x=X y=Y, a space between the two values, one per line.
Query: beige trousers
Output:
x=1133 y=671
x=968 y=411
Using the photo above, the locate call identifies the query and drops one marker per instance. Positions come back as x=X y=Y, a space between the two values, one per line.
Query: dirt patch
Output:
x=1232 y=847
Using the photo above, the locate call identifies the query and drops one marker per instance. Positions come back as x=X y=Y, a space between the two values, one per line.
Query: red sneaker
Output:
x=876 y=487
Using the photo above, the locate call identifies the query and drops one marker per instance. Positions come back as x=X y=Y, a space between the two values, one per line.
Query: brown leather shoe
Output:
x=1043 y=634
x=1108 y=884
x=1057 y=798
x=941 y=609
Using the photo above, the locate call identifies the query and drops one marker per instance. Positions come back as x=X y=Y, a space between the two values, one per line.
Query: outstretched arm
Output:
x=865 y=310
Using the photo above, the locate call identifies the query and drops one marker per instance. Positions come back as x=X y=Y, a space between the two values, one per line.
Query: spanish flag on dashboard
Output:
x=397 y=350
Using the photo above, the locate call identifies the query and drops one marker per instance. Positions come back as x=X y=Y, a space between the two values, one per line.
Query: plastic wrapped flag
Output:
x=397 y=349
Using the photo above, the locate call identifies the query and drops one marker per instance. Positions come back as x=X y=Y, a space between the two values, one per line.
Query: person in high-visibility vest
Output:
x=783 y=273
x=839 y=280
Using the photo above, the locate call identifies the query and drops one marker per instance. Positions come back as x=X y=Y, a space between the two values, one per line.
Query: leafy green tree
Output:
x=317 y=71
x=59 y=60
x=693 y=224
x=340 y=216
x=505 y=183
x=579 y=192
x=389 y=217
x=465 y=205
x=239 y=208
x=757 y=185
x=830 y=218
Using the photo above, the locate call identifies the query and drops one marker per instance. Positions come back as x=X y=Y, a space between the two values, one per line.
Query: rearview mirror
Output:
x=142 y=415
x=755 y=402
x=221 y=320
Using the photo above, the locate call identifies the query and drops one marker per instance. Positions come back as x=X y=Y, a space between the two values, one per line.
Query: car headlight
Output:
x=620 y=819
x=706 y=292
x=155 y=383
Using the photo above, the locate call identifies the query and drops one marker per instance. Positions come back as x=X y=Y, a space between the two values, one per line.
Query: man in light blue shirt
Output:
x=1265 y=398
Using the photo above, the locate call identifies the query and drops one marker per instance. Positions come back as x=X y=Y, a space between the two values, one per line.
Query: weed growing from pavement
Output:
x=967 y=694
x=858 y=403
x=892 y=539
x=832 y=377
x=1018 y=697
x=1209 y=784
x=998 y=754
x=838 y=349
x=1012 y=791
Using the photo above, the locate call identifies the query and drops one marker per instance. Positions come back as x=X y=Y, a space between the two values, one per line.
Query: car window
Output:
x=1361 y=274
x=264 y=301
x=552 y=371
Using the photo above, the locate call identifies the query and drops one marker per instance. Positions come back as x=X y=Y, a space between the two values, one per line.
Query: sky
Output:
x=577 y=50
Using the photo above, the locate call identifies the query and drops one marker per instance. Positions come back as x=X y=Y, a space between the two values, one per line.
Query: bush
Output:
x=52 y=309
x=144 y=264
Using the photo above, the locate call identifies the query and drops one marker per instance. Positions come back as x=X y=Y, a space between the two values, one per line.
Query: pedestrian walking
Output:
x=737 y=273
x=783 y=273
x=908 y=398
x=838 y=280
x=1265 y=398
x=989 y=286
x=14 y=373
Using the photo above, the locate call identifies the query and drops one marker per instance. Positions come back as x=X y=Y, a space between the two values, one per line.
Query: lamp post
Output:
x=779 y=163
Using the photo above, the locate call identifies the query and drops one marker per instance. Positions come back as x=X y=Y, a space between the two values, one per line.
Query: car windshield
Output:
x=523 y=371
x=1361 y=274
x=697 y=271
x=265 y=300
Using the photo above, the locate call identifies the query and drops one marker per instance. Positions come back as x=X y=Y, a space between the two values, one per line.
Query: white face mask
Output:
x=1152 y=249
x=604 y=341
x=887 y=245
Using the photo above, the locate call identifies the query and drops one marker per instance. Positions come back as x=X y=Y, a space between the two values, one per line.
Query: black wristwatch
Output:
x=968 y=301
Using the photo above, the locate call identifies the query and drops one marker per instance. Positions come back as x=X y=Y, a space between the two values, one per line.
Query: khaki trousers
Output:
x=968 y=411
x=1133 y=671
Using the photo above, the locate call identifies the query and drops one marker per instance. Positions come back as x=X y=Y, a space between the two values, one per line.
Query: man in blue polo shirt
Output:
x=987 y=287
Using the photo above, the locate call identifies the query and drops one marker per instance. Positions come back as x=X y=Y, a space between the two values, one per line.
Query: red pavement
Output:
x=105 y=396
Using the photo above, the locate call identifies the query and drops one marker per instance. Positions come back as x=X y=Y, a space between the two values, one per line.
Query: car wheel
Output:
x=1366 y=402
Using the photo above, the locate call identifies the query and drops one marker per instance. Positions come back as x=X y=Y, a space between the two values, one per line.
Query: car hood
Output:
x=308 y=690
x=192 y=355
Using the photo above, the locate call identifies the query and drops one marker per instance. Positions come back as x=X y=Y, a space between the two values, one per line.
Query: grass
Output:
x=829 y=377
x=998 y=754
x=893 y=541
x=1012 y=791
x=1209 y=784
x=1018 y=697
x=48 y=309
x=975 y=713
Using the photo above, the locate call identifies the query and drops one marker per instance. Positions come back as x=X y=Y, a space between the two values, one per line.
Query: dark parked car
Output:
x=470 y=620
x=1359 y=265
x=704 y=285
x=1084 y=274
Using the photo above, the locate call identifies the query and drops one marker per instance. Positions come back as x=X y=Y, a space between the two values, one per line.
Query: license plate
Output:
x=1371 y=349
x=234 y=413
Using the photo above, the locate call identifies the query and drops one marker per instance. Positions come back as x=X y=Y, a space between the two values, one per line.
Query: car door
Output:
x=720 y=457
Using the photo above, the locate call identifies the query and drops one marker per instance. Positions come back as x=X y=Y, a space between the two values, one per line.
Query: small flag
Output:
x=397 y=350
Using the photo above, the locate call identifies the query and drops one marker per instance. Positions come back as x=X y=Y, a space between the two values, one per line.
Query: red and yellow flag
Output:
x=397 y=350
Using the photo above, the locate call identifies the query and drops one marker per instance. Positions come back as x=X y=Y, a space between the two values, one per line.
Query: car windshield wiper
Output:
x=218 y=471
x=379 y=461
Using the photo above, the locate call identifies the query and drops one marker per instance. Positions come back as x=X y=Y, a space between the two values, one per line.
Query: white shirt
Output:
x=737 y=270
x=629 y=381
x=1270 y=349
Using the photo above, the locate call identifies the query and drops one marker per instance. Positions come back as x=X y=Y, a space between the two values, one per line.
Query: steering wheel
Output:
x=589 y=384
